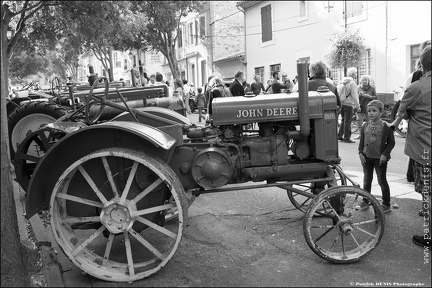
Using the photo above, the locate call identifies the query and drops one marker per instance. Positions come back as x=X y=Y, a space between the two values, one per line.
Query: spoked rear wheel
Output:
x=302 y=202
x=121 y=193
x=31 y=150
x=343 y=234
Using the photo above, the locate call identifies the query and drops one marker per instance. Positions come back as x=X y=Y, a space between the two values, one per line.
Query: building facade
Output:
x=210 y=42
x=279 y=33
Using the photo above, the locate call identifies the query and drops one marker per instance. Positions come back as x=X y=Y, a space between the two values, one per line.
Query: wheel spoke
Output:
x=44 y=140
x=147 y=190
x=322 y=235
x=355 y=240
x=332 y=209
x=146 y=244
x=364 y=222
x=28 y=157
x=307 y=199
x=71 y=220
x=92 y=184
x=108 y=249
x=90 y=239
x=79 y=200
x=156 y=227
x=155 y=209
x=129 y=181
x=334 y=242
x=364 y=231
x=110 y=177
x=129 y=254
x=343 y=245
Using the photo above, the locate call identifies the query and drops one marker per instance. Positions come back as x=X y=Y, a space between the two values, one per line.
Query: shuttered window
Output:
x=266 y=23
x=180 y=38
x=196 y=32
x=202 y=26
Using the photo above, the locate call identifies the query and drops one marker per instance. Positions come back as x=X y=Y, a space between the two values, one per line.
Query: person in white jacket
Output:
x=348 y=93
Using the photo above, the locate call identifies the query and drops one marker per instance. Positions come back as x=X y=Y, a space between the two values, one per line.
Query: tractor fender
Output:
x=77 y=144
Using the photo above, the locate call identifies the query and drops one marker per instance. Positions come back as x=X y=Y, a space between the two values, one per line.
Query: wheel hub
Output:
x=345 y=226
x=118 y=217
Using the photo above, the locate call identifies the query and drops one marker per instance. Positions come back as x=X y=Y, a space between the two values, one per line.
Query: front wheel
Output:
x=343 y=233
x=122 y=194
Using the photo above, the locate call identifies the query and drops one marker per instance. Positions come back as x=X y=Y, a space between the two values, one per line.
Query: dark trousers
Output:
x=200 y=110
x=410 y=171
x=345 y=127
x=381 y=171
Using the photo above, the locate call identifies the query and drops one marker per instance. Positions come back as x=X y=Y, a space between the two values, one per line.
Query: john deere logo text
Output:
x=257 y=113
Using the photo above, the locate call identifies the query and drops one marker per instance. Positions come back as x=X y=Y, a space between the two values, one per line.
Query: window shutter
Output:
x=202 y=26
x=266 y=23
x=196 y=32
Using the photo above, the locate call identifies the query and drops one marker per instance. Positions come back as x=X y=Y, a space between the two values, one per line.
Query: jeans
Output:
x=345 y=127
x=381 y=171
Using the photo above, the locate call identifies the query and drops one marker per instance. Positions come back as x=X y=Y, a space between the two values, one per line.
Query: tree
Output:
x=99 y=26
x=347 y=50
x=163 y=24
x=12 y=268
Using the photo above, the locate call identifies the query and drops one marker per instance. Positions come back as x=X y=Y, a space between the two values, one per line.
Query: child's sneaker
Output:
x=363 y=205
x=385 y=208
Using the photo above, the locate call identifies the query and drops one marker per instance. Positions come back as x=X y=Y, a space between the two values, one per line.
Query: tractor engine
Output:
x=271 y=137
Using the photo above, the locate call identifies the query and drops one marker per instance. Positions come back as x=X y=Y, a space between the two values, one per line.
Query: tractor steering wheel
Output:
x=55 y=84
x=97 y=99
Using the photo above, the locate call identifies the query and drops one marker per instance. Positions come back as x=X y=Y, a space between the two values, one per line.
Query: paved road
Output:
x=255 y=238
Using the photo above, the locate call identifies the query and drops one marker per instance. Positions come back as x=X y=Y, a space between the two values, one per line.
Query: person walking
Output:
x=257 y=87
x=236 y=87
x=366 y=93
x=200 y=99
x=415 y=105
x=186 y=90
x=376 y=142
x=348 y=93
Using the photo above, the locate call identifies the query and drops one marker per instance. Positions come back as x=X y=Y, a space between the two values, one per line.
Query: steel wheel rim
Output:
x=96 y=259
x=343 y=237
x=27 y=125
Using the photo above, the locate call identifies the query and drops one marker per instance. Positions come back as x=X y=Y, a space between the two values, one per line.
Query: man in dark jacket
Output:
x=236 y=87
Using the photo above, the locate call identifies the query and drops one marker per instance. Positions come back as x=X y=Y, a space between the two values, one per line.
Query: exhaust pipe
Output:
x=303 y=103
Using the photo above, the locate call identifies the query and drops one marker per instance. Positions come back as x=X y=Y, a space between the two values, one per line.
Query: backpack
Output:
x=344 y=89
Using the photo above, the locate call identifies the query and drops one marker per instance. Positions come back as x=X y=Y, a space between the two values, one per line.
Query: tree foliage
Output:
x=162 y=26
x=347 y=49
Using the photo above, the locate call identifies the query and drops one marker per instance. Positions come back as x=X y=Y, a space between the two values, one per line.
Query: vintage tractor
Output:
x=108 y=184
